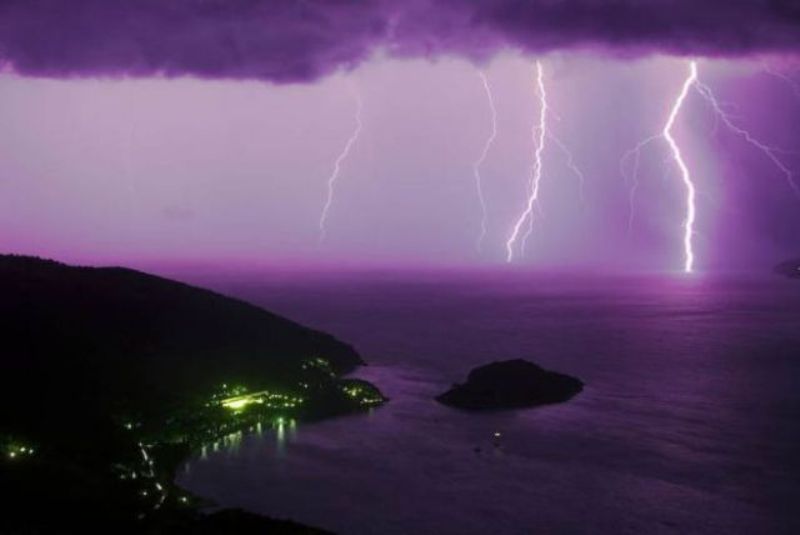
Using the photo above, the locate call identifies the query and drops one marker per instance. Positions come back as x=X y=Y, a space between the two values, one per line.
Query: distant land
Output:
x=111 y=377
x=790 y=268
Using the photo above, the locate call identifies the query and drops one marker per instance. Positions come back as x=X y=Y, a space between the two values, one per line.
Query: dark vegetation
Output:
x=110 y=377
x=511 y=384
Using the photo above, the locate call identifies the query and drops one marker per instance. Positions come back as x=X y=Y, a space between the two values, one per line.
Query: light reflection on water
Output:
x=279 y=431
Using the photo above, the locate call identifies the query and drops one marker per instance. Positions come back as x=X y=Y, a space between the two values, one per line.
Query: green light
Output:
x=239 y=404
x=17 y=450
x=272 y=400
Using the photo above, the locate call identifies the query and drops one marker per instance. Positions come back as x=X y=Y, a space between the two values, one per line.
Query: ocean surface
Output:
x=689 y=421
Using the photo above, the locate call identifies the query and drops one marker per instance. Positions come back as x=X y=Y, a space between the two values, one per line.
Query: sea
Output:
x=689 y=421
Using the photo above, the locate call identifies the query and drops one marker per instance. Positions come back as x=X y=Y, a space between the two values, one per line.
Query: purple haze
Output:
x=143 y=132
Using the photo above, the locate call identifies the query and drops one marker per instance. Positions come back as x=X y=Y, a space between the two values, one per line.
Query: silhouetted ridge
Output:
x=134 y=329
x=110 y=377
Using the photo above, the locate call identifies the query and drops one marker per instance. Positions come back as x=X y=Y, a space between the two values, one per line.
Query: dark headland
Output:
x=110 y=377
x=511 y=384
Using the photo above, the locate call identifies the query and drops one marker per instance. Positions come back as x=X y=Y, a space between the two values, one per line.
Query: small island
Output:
x=790 y=268
x=511 y=384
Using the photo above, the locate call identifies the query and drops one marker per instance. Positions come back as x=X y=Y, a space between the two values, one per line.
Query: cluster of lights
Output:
x=321 y=364
x=362 y=393
x=225 y=428
x=17 y=451
x=212 y=428
x=149 y=473
x=265 y=398
x=228 y=391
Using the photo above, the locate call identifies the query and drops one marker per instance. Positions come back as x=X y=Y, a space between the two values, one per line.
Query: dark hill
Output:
x=140 y=333
x=110 y=377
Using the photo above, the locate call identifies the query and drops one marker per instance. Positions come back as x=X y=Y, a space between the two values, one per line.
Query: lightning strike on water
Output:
x=770 y=152
x=720 y=116
x=476 y=166
x=337 y=165
x=570 y=163
x=539 y=133
x=634 y=155
x=688 y=223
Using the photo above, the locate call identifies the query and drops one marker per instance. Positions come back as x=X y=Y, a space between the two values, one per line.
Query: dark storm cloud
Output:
x=279 y=40
x=701 y=27
x=296 y=40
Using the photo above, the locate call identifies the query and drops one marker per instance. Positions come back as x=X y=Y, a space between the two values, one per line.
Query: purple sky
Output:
x=105 y=159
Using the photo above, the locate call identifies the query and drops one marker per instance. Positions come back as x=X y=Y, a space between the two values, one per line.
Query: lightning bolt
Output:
x=477 y=165
x=337 y=166
x=720 y=116
x=633 y=178
x=539 y=133
x=769 y=151
x=570 y=163
x=793 y=84
x=688 y=222
x=634 y=156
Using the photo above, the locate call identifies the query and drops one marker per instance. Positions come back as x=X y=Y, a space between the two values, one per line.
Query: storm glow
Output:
x=538 y=144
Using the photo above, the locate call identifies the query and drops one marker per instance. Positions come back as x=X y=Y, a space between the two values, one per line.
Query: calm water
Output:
x=689 y=423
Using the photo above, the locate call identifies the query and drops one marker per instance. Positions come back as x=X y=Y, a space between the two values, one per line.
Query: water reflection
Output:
x=283 y=429
x=688 y=422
